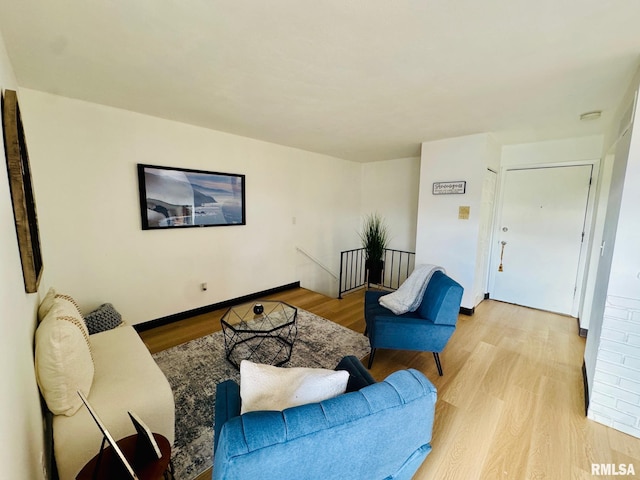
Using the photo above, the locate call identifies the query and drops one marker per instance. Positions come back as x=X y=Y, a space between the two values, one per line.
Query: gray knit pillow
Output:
x=105 y=317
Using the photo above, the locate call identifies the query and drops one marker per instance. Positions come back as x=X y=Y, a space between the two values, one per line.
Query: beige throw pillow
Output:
x=66 y=302
x=63 y=359
x=67 y=306
x=263 y=387
x=46 y=304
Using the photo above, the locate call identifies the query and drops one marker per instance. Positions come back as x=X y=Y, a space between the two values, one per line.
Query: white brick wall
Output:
x=615 y=399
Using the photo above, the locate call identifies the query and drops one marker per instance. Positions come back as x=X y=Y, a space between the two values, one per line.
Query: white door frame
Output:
x=588 y=224
x=486 y=275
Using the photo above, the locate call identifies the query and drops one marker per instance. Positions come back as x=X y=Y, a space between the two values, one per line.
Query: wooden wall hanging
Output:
x=24 y=205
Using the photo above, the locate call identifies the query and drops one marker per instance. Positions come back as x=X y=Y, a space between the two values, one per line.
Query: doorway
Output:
x=540 y=237
x=487 y=205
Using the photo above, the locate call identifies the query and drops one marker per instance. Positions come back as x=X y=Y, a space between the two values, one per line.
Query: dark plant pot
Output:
x=375 y=269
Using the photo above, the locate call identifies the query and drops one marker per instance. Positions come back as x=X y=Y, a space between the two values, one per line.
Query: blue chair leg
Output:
x=371 y=355
x=438 y=364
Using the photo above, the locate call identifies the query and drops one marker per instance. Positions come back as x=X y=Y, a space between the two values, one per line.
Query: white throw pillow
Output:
x=63 y=359
x=264 y=387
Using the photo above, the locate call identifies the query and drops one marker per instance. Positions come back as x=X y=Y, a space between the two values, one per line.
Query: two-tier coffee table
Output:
x=106 y=466
x=263 y=332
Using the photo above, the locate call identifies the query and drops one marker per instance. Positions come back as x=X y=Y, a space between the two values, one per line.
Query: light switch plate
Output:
x=463 y=212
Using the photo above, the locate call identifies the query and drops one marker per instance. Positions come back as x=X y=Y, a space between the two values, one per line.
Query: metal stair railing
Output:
x=398 y=264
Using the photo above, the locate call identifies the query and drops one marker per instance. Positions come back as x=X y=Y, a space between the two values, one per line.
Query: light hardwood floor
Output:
x=510 y=403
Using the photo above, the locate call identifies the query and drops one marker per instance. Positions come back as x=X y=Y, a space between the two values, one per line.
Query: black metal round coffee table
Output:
x=263 y=332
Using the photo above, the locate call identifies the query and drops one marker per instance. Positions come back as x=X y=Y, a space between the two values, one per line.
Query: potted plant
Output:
x=375 y=237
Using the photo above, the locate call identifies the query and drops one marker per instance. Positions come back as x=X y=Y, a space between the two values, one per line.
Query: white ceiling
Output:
x=362 y=80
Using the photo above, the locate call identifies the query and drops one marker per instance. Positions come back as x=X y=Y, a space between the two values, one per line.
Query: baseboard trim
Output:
x=467 y=311
x=582 y=331
x=158 y=322
x=586 y=388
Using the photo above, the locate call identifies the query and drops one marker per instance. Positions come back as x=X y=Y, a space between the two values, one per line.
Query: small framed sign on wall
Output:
x=449 y=188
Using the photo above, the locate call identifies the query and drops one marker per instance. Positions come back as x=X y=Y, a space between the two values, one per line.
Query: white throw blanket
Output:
x=409 y=296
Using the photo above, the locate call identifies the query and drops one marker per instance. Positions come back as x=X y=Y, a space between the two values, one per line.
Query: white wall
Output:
x=553 y=151
x=326 y=207
x=616 y=146
x=612 y=353
x=21 y=431
x=442 y=238
x=391 y=188
x=615 y=371
x=84 y=160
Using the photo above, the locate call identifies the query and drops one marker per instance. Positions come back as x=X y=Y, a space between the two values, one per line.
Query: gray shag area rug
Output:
x=196 y=367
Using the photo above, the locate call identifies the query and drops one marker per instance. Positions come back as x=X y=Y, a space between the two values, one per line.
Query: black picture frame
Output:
x=22 y=198
x=458 y=187
x=173 y=197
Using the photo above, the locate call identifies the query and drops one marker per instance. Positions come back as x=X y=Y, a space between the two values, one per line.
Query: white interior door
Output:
x=484 y=235
x=540 y=236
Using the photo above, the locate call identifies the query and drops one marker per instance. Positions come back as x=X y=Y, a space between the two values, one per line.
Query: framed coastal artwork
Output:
x=21 y=186
x=182 y=198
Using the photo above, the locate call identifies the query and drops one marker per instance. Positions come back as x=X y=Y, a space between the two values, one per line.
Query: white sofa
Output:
x=115 y=371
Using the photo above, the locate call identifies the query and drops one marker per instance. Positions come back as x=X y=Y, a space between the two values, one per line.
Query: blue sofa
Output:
x=428 y=329
x=375 y=431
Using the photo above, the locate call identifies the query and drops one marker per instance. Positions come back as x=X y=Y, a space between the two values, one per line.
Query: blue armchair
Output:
x=375 y=431
x=428 y=329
